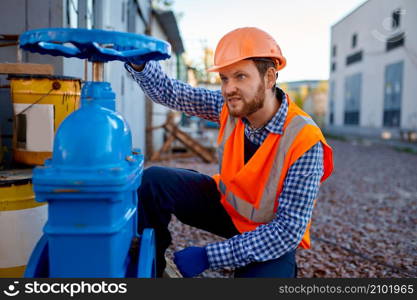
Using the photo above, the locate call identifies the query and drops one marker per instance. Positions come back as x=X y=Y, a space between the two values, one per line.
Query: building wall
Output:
x=372 y=24
x=159 y=112
x=17 y=16
x=130 y=98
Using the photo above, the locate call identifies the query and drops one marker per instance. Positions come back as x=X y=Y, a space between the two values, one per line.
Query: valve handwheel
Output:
x=95 y=45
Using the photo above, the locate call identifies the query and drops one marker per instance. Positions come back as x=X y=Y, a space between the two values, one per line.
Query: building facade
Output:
x=372 y=84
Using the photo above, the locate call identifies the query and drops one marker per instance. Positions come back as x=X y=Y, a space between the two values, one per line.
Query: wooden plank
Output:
x=8 y=44
x=165 y=147
x=9 y=37
x=190 y=143
x=171 y=156
x=155 y=127
x=23 y=68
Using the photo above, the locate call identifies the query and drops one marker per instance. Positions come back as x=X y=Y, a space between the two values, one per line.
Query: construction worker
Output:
x=272 y=156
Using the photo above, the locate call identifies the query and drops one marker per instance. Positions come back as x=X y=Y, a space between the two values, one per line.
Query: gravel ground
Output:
x=364 y=223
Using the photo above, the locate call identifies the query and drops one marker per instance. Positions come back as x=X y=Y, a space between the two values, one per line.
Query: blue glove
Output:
x=191 y=261
x=143 y=59
x=136 y=61
x=136 y=67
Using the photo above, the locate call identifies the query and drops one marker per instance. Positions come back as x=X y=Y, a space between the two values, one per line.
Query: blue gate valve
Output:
x=91 y=181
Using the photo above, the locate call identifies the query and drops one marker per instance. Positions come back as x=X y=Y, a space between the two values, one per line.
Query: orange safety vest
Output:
x=250 y=192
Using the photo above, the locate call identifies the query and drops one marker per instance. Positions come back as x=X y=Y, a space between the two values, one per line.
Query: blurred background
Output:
x=352 y=65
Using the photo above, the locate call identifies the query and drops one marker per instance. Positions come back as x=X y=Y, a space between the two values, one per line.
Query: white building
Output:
x=373 y=86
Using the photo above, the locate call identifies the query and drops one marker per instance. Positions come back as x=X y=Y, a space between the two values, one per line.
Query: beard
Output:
x=248 y=107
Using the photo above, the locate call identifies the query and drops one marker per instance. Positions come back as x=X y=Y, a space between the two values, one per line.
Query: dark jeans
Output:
x=194 y=199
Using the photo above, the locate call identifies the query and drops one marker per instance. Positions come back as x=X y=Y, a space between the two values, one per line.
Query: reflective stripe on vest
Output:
x=265 y=211
x=230 y=126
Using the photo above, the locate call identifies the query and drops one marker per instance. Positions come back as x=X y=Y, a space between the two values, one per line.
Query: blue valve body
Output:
x=99 y=93
x=91 y=181
x=90 y=185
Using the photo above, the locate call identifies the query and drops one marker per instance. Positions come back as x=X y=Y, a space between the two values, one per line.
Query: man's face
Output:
x=242 y=88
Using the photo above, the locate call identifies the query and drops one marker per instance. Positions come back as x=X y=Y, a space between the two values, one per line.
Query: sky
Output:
x=301 y=28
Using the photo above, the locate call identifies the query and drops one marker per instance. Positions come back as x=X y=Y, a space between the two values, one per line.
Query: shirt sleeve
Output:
x=177 y=95
x=285 y=231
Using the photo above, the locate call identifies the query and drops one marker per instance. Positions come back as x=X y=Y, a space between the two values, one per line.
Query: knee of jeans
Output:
x=153 y=180
x=152 y=175
x=146 y=190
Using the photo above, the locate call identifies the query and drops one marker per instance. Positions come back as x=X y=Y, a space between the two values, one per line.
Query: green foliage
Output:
x=335 y=137
x=406 y=150
x=298 y=100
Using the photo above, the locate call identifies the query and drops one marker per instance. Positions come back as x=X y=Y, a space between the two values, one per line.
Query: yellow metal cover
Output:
x=61 y=92
x=21 y=221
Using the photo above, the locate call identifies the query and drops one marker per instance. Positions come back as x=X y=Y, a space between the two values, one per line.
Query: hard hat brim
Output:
x=281 y=65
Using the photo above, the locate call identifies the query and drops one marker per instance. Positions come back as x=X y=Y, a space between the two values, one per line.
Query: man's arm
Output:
x=285 y=232
x=175 y=94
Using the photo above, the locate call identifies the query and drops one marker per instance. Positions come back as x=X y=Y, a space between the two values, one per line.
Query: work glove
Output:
x=141 y=60
x=137 y=67
x=136 y=60
x=191 y=261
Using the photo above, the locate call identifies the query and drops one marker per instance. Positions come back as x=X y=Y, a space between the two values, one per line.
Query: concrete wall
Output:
x=372 y=24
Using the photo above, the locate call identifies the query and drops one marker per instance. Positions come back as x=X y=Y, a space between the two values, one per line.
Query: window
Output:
x=331 y=118
x=331 y=112
x=80 y=13
x=353 y=58
x=72 y=13
x=89 y=14
x=334 y=50
x=352 y=99
x=396 y=17
x=395 y=41
x=392 y=94
x=123 y=11
x=354 y=40
x=333 y=66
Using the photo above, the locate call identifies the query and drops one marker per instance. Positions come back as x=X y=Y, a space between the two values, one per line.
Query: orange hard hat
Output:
x=245 y=43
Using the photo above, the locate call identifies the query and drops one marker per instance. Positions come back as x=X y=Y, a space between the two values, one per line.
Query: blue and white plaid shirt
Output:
x=301 y=185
